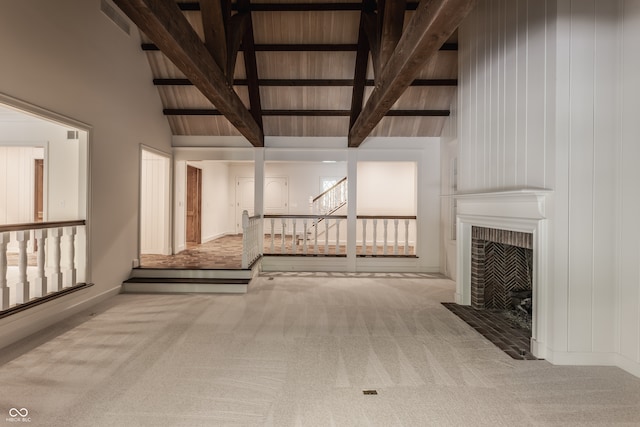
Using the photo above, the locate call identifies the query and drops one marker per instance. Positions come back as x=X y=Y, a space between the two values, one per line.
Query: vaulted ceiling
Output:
x=283 y=68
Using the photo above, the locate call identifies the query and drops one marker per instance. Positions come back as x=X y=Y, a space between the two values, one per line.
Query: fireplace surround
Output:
x=520 y=213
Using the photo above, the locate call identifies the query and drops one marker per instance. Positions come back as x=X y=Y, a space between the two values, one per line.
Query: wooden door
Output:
x=38 y=192
x=194 y=205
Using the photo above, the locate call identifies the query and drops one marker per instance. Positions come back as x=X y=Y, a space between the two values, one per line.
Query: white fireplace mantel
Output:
x=521 y=210
x=523 y=203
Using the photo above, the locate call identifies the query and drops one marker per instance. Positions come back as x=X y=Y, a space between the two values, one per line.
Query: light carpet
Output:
x=297 y=350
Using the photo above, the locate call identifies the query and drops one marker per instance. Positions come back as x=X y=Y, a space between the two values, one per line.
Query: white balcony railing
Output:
x=312 y=235
x=380 y=235
x=251 y=239
x=40 y=259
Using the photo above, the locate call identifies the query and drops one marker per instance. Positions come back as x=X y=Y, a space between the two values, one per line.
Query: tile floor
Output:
x=513 y=341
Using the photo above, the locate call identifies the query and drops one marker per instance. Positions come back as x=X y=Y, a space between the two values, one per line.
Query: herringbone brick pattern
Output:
x=507 y=268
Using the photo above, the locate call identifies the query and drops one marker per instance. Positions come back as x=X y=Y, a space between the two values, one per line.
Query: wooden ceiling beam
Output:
x=391 y=16
x=162 y=21
x=215 y=19
x=250 y=64
x=308 y=82
x=150 y=47
x=431 y=25
x=296 y=7
x=305 y=113
x=362 y=61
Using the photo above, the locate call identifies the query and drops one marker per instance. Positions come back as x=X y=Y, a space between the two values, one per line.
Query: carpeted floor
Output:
x=297 y=350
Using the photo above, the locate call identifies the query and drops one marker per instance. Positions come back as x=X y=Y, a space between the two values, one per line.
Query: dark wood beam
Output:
x=431 y=25
x=360 y=72
x=305 y=113
x=308 y=82
x=215 y=17
x=236 y=31
x=392 y=20
x=250 y=65
x=150 y=47
x=162 y=21
x=296 y=7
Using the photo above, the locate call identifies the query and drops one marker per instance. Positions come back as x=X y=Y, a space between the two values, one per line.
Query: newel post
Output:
x=4 y=289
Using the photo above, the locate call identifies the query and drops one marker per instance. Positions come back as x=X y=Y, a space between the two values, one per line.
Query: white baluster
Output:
x=4 y=289
x=337 y=236
x=326 y=236
x=22 y=288
x=395 y=234
x=294 y=238
x=364 y=237
x=70 y=273
x=406 y=237
x=304 y=237
x=315 y=239
x=245 y=239
x=40 y=287
x=282 y=233
x=56 y=276
x=273 y=221
x=384 y=248
x=375 y=239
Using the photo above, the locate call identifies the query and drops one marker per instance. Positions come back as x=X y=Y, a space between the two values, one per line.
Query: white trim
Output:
x=519 y=210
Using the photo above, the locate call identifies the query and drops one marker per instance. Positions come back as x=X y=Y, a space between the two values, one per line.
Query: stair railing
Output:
x=54 y=263
x=331 y=199
x=304 y=235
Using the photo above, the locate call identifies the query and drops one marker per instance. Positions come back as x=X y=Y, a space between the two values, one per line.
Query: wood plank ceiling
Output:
x=284 y=68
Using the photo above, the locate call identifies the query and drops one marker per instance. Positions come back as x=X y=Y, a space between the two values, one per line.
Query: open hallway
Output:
x=298 y=349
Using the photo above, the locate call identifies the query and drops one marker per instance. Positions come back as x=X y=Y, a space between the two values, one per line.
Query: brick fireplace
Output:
x=501 y=265
x=491 y=226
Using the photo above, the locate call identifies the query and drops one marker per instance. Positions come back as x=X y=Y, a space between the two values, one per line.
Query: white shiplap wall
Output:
x=505 y=70
x=539 y=107
x=628 y=253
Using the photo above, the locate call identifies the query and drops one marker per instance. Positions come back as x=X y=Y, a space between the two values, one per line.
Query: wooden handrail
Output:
x=307 y=216
x=40 y=225
x=387 y=217
x=331 y=188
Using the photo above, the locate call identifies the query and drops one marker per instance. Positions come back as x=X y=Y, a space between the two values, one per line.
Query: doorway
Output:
x=38 y=191
x=194 y=205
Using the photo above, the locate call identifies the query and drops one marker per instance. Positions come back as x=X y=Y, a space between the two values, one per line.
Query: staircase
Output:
x=155 y=280
x=328 y=202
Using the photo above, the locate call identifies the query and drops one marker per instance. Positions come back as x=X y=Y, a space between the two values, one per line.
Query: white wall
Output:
x=387 y=188
x=215 y=200
x=304 y=180
x=67 y=57
x=548 y=98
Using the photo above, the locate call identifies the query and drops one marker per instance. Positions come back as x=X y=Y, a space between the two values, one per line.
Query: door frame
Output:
x=198 y=231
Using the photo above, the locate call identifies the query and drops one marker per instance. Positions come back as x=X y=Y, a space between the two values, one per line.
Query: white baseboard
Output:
x=21 y=325
x=594 y=359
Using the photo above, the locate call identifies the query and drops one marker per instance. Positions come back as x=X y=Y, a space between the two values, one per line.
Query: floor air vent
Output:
x=366 y=392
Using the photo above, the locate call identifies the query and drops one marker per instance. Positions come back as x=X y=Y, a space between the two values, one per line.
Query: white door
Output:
x=154 y=203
